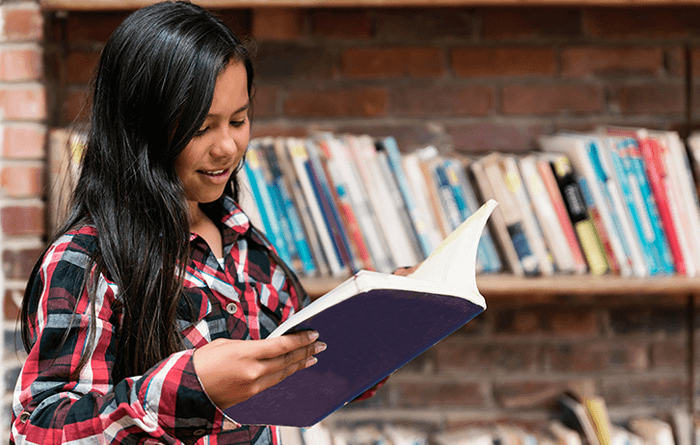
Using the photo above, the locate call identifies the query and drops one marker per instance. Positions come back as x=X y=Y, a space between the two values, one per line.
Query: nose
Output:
x=225 y=144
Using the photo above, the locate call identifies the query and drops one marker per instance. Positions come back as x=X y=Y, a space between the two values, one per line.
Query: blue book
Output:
x=261 y=194
x=635 y=205
x=661 y=249
x=286 y=206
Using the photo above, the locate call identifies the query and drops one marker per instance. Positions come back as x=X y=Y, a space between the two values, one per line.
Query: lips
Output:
x=214 y=173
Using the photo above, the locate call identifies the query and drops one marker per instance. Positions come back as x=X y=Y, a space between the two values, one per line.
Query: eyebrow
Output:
x=243 y=108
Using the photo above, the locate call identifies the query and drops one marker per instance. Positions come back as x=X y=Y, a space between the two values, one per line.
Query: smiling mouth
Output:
x=213 y=172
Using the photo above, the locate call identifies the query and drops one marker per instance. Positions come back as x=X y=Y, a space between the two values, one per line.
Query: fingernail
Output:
x=320 y=347
x=311 y=361
x=313 y=335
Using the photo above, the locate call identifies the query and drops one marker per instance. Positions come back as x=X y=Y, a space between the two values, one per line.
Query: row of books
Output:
x=575 y=420
x=619 y=200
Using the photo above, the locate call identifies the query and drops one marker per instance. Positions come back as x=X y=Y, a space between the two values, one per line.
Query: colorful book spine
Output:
x=271 y=225
x=417 y=219
x=329 y=209
x=597 y=219
x=578 y=214
x=550 y=184
x=289 y=210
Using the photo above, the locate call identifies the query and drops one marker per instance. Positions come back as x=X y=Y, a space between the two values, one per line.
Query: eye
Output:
x=237 y=123
x=201 y=131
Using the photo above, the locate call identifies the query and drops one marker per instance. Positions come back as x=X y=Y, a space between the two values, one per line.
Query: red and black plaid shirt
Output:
x=245 y=299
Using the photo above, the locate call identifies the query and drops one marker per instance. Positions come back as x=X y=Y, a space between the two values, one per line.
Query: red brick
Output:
x=652 y=22
x=81 y=66
x=355 y=102
x=644 y=390
x=265 y=102
x=18 y=221
x=597 y=357
x=11 y=305
x=341 y=23
x=480 y=62
x=20 y=64
x=517 y=23
x=629 y=61
x=393 y=62
x=18 y=264
x=19 y=181
x=76 y=105
x=487 y=136
x=278 y=24
x=649 y=98
x=92 y=27
x=574 y=322
x=408 y=24
x=676 y=62
x=24 y=103
x=288 y=62
x=261 y=129
x=23 y=23
x=24 y=142
x=459 y=354
x=669 y=354
x=443 y=101
x=552 y=99
x=519 y=321
x=530 y=394
x=431 y=393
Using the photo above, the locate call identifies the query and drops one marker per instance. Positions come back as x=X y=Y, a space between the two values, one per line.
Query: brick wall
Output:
x=473 y=79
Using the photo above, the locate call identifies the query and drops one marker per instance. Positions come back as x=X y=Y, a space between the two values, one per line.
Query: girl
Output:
x=148 y=312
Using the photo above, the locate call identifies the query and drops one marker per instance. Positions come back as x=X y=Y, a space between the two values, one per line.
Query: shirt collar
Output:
x=229 y=213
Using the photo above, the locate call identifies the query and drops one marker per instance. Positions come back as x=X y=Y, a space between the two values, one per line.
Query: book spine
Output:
x=578 y=213
x=297 y=233
x=552 y=188
x=329 y=209
x=597 y=219
x=270 y=220
x=417 y=219
x=416 y=182
x=635 y=206
x=656 y=174
x=300 y=161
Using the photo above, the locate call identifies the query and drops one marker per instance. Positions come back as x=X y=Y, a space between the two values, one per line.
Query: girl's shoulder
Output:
x=80 y=241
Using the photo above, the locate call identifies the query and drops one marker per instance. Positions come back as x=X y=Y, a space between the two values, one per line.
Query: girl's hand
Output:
x=405 y=271
x=232 y=371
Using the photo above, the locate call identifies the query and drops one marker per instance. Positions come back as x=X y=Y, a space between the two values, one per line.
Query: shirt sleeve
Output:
x=54 y=403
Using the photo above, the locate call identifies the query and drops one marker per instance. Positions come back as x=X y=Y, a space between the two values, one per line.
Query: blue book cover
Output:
x=271 y=226
x=447 y=199
x=637 y=210
x=288 y=210
x=419 y=225
x=661 y=249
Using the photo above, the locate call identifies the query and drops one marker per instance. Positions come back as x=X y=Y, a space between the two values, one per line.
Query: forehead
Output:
x=231 y=89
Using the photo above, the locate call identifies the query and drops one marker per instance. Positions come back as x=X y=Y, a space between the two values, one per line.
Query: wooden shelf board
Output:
x=116 y=5
x=503 y=288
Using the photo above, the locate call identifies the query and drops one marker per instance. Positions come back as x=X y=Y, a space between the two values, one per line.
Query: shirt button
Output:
x=199 y=432
x=231 y=308
x=24 y=417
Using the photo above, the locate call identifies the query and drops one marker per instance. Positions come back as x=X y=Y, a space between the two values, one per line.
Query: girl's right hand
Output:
x=232 y=371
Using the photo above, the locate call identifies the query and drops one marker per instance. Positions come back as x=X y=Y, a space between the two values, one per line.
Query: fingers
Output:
x=283 y=366
x=276 y=347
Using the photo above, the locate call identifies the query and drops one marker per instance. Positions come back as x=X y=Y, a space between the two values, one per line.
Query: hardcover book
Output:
x=374 y=323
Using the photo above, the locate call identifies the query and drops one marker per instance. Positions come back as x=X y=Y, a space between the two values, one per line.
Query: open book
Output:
x=374 y=323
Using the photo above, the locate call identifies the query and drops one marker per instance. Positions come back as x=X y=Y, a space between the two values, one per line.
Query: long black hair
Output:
x=152 y=91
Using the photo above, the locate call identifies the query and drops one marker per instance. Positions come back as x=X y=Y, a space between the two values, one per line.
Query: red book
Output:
x=656 y=174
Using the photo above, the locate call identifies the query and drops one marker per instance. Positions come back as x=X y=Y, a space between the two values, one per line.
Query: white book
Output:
x=544 y=210
x=346 y=168
x=678 y=158
x=514 y=183
x=365 y=155
x=247 y=202
x=418 y=186
x=574 y=146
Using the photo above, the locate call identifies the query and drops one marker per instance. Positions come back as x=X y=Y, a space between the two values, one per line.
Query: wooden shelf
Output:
x=115 y=5
x=503 y=288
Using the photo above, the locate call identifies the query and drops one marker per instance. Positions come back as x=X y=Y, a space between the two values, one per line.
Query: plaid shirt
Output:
x=245 y=299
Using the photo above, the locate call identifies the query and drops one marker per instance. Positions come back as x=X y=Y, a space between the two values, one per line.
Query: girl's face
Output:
x=206 y=164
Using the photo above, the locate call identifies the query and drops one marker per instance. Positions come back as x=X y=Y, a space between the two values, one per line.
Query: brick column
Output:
x=23 y=129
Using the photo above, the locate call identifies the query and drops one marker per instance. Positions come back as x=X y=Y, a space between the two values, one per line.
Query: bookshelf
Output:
x=95 y=5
